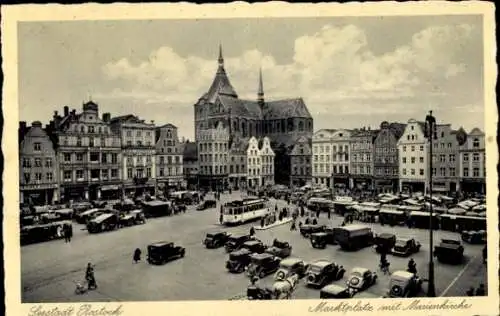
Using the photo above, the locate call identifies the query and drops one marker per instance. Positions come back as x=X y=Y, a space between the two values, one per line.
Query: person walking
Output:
x=252 y=231
x=137 y=255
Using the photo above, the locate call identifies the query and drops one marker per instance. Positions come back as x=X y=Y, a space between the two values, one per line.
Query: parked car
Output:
x=307 y=229
x=354 y=237
x=361 y=278
x=289 y=267
x=163 y=251
x=87 y=215
x=235 y=242
x=255 y=246
x=384 y=242
x=216 y=240
x=449 y=251
x=262 y=264
x=404 y=284
x=321 y=272
x=206 y=205
x=406 y=247
x=474 y=237
x=319 y=240
x=281 y=249
x=238 y=260
x=134 y=217
x=334 y=291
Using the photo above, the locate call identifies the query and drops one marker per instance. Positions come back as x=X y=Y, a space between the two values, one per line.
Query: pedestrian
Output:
x=315 y=221
x=307 y=221
x=481 y=291
x=137 y=255
x=221 y=218
x=262 y=222
x=329 y=214
x=90 y=276
x=470 y=291
x=293 y=227
x=317 y=213
x=252 y=231
x=302 y=211
x=276 y=207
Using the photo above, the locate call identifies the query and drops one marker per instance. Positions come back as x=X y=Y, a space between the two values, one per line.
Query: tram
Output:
x=241 y=211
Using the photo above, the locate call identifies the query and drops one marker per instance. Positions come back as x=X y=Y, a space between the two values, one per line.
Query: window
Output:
x=450 y=145
x=94 y=174
x=48 y=162
x=466 y=157
x=67 y=175
x=475 y=143
x=148 y=159
x=104 y=158
x=114 y=173
x=421 y=147
x=104 y=173
x=412 y=148
x=148 y=172
x=404 y=172
x=37 y=146
x=38 y=162
x=412 y=172
x=27 y=178
x=452 y=158
x=79 y=157
x=475 y=172
x=442 y=172
x=408 y=137
x=412 y=159
x=114 y=158
x=91 y=129
x=169 y=160
x=67 y=157
x=442 y=146
x=91 y=142
x=442 y=158
x=26 y=163
x=138 y=134
x=434 y=171
x=79 y=174
x=475 y=157
x=129 y=173
x=421 y=172
x=79 y=141
x=452 y=172
x=38 y=176
x=466 y=172
x=404 y=148
x=421 y=159
x=94 y=157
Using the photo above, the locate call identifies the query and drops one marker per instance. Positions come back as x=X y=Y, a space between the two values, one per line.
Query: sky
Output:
x=351 y=71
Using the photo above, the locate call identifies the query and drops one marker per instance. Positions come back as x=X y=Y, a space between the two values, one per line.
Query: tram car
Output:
x=245 y=210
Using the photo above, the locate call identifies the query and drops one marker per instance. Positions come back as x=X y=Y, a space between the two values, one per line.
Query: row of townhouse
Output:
x=395 y=158
x=82 y=156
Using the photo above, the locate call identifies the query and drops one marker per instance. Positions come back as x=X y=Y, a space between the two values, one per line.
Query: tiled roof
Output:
x=124 y=118
x=243 y=108
x=220 y=86
x=285 y=109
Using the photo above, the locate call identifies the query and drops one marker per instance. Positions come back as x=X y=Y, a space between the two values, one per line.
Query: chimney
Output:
x=66 y=110
x=106 y=117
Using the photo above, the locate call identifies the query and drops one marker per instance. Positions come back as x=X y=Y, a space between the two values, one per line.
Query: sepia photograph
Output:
x=253 y=158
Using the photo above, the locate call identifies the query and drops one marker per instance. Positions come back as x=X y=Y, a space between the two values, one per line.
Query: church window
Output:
x=290 y=125
x=301 y=126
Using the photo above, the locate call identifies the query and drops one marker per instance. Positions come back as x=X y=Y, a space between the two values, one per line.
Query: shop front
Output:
x=74 y=192
x=39 y=195
x=340 y=181
x=471 y=185
x=362 y=183
x=386 y=185
x=410 y=186
x=110 y=192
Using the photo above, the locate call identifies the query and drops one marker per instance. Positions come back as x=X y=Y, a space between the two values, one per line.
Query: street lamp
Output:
x=431 y=134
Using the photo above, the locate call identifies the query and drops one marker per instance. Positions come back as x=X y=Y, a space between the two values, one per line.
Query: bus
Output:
x=241 y=211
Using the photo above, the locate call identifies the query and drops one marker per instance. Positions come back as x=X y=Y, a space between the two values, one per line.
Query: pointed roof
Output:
x=221 y=84
x=260 y=93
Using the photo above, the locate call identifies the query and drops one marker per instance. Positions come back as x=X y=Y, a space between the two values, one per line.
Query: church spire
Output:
x=221 y=59
x=260 y=93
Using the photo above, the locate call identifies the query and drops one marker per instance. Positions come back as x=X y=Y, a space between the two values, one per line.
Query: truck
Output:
x=354 y=237
x=449 y=251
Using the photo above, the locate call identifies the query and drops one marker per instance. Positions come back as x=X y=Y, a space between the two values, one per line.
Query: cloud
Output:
x=332 y=68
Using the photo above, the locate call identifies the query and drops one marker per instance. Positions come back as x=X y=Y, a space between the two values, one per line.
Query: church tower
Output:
x=260 y=93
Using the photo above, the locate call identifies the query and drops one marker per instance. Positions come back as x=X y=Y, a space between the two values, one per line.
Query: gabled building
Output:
x=322 y=157
x=283 y=121
x=472 y=161
x=38 y=167
x=190 y=165
x=89 y=154
x=445 y=160
x=300 y=162
x=238 y=163
x=386 y=157
x=169 y=158
x=361 y=158
x=340 y=152
x=213 y=154
x=413 y=158
x=138 y=154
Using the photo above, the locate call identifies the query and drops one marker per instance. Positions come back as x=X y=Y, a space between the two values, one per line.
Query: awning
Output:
x=395 y=212
x=110 y=187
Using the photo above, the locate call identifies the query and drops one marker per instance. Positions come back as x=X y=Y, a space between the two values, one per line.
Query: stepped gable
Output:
x=286 y=108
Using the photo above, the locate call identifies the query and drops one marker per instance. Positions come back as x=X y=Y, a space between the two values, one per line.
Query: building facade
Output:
x=283 y=121
x=267 y=160
x=213 y=155
x=254 y=164
x=340 y=152
x=238 y=163
x=413 y=158
x=386 y=157
x=361 y=158
x=322 y=159
x=169 y=158
x=138 y=154
x=190 y=165
x=472 y=161
x=300 y=159
x=445 y=160
x=38 y=183
x=89 y=154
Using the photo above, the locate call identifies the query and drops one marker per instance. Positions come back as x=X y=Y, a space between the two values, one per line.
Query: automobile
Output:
x=404 y=284
x=262 y=264
x=290 y=266
x=255 y=292
x=307 y=229
x=334 y=291
x=331 y=233
x=234 y=242
x=449 y=251
x=474 y=237
x=321 y=272
x=319 y=240
x=134 y=217
x=206 y=205
x=405 y=247
x=216 y=240
x=254 y=245
x=163 y=251
x=102 y=223
x=281 y=249
x=361 y=278
x=238 y=260
x=85 y=216
x=384 y=242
